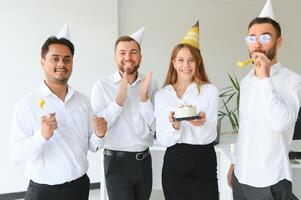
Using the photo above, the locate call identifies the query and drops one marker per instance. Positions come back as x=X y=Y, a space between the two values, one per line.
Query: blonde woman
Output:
x=189 y=168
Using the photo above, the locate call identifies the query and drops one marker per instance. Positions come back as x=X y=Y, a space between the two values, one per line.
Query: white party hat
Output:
x=267 y=10
x=64 y=33
x=138 y=35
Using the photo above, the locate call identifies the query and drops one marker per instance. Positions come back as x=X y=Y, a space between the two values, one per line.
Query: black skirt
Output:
x=189 y=172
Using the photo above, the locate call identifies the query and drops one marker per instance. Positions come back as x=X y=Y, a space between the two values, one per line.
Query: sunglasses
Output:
x=263 y=39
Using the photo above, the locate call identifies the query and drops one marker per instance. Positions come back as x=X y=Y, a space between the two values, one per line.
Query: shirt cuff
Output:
x=38 y=139
x=233 y=159
x=146 y=105
x=233 y=156
x=96 y=141
x=147 y=111
x=116 y=107
x=111 y=113
x=175 y=131
x=266 y=83
x=266 y=87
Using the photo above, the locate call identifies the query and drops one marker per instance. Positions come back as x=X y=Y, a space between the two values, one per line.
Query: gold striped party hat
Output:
x=192 y=36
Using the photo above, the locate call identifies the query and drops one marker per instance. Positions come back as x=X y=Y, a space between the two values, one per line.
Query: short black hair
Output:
x=54 y=40
x=266 y=20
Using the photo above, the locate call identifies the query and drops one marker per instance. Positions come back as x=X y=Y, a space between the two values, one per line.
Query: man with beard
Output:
x=269 y=105
x=52 y=129
x=124 y=101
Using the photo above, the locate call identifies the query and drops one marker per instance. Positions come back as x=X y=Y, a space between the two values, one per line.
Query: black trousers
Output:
x=279 y=191
x=74 y=190
x=128 y=178
x=189 y=172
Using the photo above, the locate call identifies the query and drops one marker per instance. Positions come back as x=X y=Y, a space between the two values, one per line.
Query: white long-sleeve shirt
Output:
x=268 y=112
x=166 y=100
x=63 y=157
x=129 y=126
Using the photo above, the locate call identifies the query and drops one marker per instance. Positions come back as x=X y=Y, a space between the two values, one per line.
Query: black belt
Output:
x=126 y=154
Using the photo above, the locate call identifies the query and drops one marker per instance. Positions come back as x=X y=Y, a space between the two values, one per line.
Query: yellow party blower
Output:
x=244 y=63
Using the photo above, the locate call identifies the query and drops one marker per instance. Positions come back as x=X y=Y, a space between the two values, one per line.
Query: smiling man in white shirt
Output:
x=269 y=104
x=52 y=138
x=124 y=100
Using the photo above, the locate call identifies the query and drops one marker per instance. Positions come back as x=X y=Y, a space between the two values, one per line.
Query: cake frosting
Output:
x=185 y=111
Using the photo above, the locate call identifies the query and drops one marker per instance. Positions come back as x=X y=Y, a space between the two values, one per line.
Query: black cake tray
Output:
x=186 y=118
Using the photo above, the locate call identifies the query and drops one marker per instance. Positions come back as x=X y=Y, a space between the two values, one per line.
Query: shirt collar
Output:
x=139 y=78
x=47 y=92
x=192 y=86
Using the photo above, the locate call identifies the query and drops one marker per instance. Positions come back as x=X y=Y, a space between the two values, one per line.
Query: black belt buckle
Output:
x=141 y=156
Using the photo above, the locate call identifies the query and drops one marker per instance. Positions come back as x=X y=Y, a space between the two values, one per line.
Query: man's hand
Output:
x=171 y=118
x=262 y=65
x=144 y=87
x=100 y=126
x=230 y=175
x=121 y=96
x=199 y=122
x=48 y=125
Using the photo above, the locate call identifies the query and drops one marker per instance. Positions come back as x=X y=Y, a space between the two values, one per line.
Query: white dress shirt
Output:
x=206 y=100
x=130 y=125
x=63 y=157
x=268 y=112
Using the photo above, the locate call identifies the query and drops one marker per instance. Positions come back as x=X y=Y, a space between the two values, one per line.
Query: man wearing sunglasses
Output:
x=269 y=104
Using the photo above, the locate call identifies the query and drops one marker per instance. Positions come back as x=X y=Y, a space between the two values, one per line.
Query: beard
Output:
x=62 y=79
x=270 y=54
x=129 y=71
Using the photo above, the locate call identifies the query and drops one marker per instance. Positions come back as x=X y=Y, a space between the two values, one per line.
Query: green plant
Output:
x=229 y=97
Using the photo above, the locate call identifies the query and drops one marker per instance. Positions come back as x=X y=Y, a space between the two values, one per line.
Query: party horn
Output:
x=244 y=63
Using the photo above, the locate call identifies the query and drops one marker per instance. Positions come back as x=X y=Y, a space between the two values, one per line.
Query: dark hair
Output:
x=126 y=39
x=266 y=20
x=54 y=40
x=200 y=76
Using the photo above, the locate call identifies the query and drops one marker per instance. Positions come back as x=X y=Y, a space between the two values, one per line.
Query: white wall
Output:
x=25 y=25
x=223 y=27
x=94 y=26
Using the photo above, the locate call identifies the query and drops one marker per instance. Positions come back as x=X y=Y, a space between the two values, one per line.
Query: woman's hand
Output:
x=199 y=122
x=175 y=124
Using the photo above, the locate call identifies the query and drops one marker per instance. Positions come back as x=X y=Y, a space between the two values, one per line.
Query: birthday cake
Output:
x=185 y=111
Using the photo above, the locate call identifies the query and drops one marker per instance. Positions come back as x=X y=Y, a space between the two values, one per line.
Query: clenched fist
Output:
x=262 y=65
x=48 y=125
x=100 y=126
